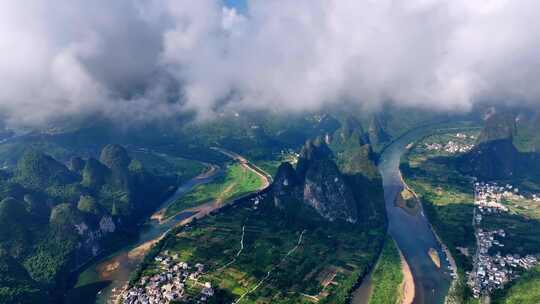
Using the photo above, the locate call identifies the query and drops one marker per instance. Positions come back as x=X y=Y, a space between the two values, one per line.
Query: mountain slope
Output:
x=338 y=180
x=53 y=219
x=495 y=155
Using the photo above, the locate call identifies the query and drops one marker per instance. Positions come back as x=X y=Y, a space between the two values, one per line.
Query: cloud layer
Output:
x=146 y=59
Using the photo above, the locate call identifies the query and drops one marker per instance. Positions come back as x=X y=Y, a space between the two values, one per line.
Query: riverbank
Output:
x=407 y=286
x=212 y=171
x=391 y=281
x=238 y=179
x=118 y=268
x=433 y=254
x=447 y=201
x=404 y=288
x=412 y=231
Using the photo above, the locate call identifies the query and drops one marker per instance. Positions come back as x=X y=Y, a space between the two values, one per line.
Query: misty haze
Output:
x=270 y=151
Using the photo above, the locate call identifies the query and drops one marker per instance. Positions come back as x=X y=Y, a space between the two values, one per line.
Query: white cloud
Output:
x=128 y=55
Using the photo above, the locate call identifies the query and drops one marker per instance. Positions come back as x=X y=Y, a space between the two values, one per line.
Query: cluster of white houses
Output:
x=494 y=193
x=176 y=281
x=170 y=284
x=491 y=272
x=488 y=196
x=452 y=147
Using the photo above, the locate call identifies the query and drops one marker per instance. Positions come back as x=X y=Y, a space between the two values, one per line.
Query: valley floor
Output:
x=250 y=254
x=451 y=203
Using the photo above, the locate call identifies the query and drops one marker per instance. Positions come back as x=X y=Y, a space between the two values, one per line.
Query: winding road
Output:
x=115 y=269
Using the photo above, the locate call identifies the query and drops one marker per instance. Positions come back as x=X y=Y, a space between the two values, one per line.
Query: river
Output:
x=107 y=276
x=412 y=233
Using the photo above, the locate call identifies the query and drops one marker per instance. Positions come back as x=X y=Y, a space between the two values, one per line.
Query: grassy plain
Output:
x=236 y=181
x=387 y=276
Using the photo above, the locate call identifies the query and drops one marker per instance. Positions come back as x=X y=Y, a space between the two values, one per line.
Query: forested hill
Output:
x=496 y=154
x=54 y=218
x=336 y=176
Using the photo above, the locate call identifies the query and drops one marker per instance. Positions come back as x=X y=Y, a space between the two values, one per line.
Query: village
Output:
x=170 y=284
x=453 y=147
x=176 y=280
x=493 y=271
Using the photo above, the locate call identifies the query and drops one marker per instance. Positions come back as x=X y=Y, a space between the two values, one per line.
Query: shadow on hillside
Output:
x=86 y=294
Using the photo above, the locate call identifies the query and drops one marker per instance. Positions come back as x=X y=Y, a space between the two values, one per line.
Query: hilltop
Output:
x=495 y=155
x=59 y=217
x=310 y=237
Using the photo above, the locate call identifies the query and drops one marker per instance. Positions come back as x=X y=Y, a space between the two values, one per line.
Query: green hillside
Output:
x=53 y=218
x=525 y=290
x=387 y=276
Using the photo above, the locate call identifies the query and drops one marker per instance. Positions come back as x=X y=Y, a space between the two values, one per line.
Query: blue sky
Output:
x=239 y=4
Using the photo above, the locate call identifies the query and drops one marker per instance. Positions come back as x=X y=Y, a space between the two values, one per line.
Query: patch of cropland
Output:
x=446 y=195
x=504 y=233
x=255 y=253
x=235 y=182
x=387 y=277
x=310 y=238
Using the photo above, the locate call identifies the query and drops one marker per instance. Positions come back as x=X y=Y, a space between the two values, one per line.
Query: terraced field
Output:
x=256 y=255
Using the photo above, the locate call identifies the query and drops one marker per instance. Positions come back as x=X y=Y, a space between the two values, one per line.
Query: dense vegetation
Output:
x=326 y=264
x=54 y=218
x=16 y=286
x=174 y=167
x=44 y=199
x=310 y=258
x=525 y=290
x=387 y=276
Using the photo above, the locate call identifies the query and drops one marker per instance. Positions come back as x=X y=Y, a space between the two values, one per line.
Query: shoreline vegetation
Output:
x=238 y=274
x=456 y=285
x=407 y=200
x=159 y=215
x=254 y=250
x=238 y=180
x=391 y=278
x=196 y=213
x=415 y=207
x=443 y=190
x=140 y=251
